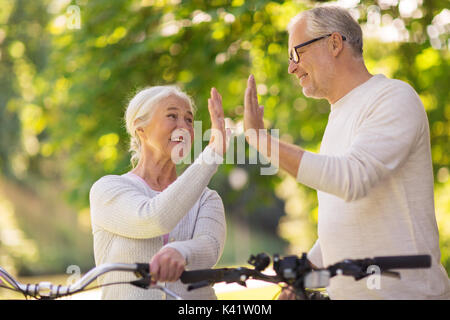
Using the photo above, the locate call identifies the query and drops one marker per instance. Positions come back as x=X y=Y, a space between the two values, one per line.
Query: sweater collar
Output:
x=356 y=91
x=136 y=177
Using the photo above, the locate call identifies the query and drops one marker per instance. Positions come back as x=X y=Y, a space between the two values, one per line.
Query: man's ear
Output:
x=336 y=44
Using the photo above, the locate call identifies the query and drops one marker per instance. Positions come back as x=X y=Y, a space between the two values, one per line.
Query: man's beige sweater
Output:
x=374 y=181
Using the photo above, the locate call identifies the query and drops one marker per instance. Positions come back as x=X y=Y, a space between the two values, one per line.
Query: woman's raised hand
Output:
x=218 y=140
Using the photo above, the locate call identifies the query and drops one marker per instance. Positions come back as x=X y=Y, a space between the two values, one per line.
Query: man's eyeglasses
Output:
x=294 y=55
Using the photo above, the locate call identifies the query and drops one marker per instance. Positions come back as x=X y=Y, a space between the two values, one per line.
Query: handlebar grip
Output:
x=202 y=275
x=403 y=262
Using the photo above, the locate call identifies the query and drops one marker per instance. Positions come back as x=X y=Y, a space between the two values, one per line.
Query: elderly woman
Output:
x=150 y=214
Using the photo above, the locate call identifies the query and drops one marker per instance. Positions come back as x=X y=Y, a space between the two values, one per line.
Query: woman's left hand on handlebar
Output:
x=167 y=265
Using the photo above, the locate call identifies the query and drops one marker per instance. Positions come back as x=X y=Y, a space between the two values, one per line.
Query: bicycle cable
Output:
x=17 y=290
x=13 y=282
x=27 y=295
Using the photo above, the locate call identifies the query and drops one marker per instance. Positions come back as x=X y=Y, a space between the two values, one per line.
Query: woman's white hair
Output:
x=140 y=110
x=328 y=19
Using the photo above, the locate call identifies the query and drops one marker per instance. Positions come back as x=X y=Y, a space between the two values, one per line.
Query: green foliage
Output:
x=63 y=91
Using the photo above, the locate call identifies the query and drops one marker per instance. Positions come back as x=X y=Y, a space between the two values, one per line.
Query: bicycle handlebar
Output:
x=49 y=290
x=291 y=269
x=403 y=262
x=203 y=275
x=298 y=272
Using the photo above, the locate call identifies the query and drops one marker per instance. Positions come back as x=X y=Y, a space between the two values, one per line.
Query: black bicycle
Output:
x=292 y=271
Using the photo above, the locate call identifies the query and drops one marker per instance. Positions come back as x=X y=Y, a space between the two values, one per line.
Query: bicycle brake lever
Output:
x=198 y=285
x=142 y=271
x=143 y=283
x=392 y=274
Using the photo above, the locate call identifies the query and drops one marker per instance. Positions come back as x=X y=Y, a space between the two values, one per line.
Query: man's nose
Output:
x=292 y=67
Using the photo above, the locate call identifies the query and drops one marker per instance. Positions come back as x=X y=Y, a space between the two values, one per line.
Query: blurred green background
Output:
x=65 y=80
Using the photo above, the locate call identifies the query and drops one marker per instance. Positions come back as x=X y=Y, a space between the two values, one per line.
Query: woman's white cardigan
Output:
x=129 y=220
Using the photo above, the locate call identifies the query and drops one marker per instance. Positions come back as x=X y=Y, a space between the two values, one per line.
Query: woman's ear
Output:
x=140 y=132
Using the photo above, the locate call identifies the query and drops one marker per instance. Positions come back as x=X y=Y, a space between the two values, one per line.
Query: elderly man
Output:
x=373 y=175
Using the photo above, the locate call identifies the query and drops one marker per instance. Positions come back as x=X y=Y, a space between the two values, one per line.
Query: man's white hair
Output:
x=324 y=20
